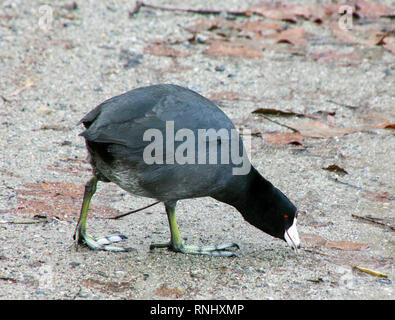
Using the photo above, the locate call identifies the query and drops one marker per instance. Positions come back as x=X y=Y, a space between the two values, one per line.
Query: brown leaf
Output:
x=328 y=116
x=224 y=95
x=281 y=11
x=209 y=24
x=283 y=138
x=54 y=127
x=309 y=240
x=259 y=26
x=317 y=129
x=313 y=240
x=377 y=120
x=331 y=55
x=293 y=36
x=346 y=245
x=335 y=168
x=163 y=51
x=373 y=9
x=385 y=125
x=107 y=286
x=378 y=196
x=389 y=44
x=232 y=49
x=165 y=291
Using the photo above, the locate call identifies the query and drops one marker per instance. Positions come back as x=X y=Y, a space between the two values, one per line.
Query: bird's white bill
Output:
x=291 y=235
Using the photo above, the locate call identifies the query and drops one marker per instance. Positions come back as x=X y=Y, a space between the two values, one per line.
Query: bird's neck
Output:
x=248 y=193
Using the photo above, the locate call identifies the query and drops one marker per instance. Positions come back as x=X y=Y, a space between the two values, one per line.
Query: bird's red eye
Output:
x=285 y=217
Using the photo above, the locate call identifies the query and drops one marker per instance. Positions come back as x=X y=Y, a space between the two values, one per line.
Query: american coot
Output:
x=169 y=143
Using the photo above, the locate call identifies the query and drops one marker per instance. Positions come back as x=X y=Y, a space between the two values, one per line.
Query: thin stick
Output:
x=140 y=4
x=344 y=105
x=345 y=183
x=279 y=123
x=373 y=220
x=20 y=222
x=133 y=211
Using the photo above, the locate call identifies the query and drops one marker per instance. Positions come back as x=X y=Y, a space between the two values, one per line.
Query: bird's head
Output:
x=276 y=215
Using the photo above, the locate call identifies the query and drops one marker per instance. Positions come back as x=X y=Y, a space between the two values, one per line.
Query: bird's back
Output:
x=115 y=132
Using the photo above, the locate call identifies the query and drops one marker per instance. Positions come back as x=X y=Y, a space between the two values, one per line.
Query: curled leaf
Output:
x=335 y=168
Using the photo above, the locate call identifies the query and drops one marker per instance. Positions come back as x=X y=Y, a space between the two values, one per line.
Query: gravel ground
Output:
x=55 y=69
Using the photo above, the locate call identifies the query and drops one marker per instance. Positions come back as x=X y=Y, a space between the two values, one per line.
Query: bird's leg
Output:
x=80 y=235
x=177 y=245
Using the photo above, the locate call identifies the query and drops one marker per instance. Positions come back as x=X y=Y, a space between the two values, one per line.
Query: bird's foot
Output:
x=102 y=243
x=217 y=251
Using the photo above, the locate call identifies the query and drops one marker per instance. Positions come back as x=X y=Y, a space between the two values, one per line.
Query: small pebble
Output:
x=43 y=111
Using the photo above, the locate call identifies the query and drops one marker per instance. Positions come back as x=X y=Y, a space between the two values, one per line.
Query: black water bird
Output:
x=169 y=143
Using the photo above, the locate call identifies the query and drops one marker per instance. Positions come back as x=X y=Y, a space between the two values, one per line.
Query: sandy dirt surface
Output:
x=61 y=59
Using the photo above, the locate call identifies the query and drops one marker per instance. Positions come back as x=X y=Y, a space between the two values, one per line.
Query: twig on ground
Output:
x=20 y=222
x=345 y=183
x=140 y=4
x=133 y=211
x=373 y=220
x=279 y=123
x=344 y=105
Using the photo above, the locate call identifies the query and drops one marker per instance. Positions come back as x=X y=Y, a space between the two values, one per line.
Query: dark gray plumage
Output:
x=114 y=137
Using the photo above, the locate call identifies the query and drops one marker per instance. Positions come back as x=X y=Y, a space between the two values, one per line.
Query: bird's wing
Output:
x=124 y=119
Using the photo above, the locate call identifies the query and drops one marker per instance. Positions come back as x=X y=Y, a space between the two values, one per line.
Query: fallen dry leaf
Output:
x=224 y=95
x=293 y=36
x=309 y=240
x=377 y=120
x=107 y=286
x=385 y=125
x=373 y=9
x=327 y=116
x=164 y=51
x=210 y=24
x=332 y=55
x=259 y=26
x=317 y=129
x=281 y=11
x=54 y=127
x=202 y=25
x=165 y=291
x=283 y=138
x=335 y=168
x=389 y=43
x=346 y=245
x=232 y=49
x=378 y=196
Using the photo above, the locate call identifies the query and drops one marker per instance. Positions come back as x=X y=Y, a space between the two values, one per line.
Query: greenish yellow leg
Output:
x=176 y=244
x=80 y=235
